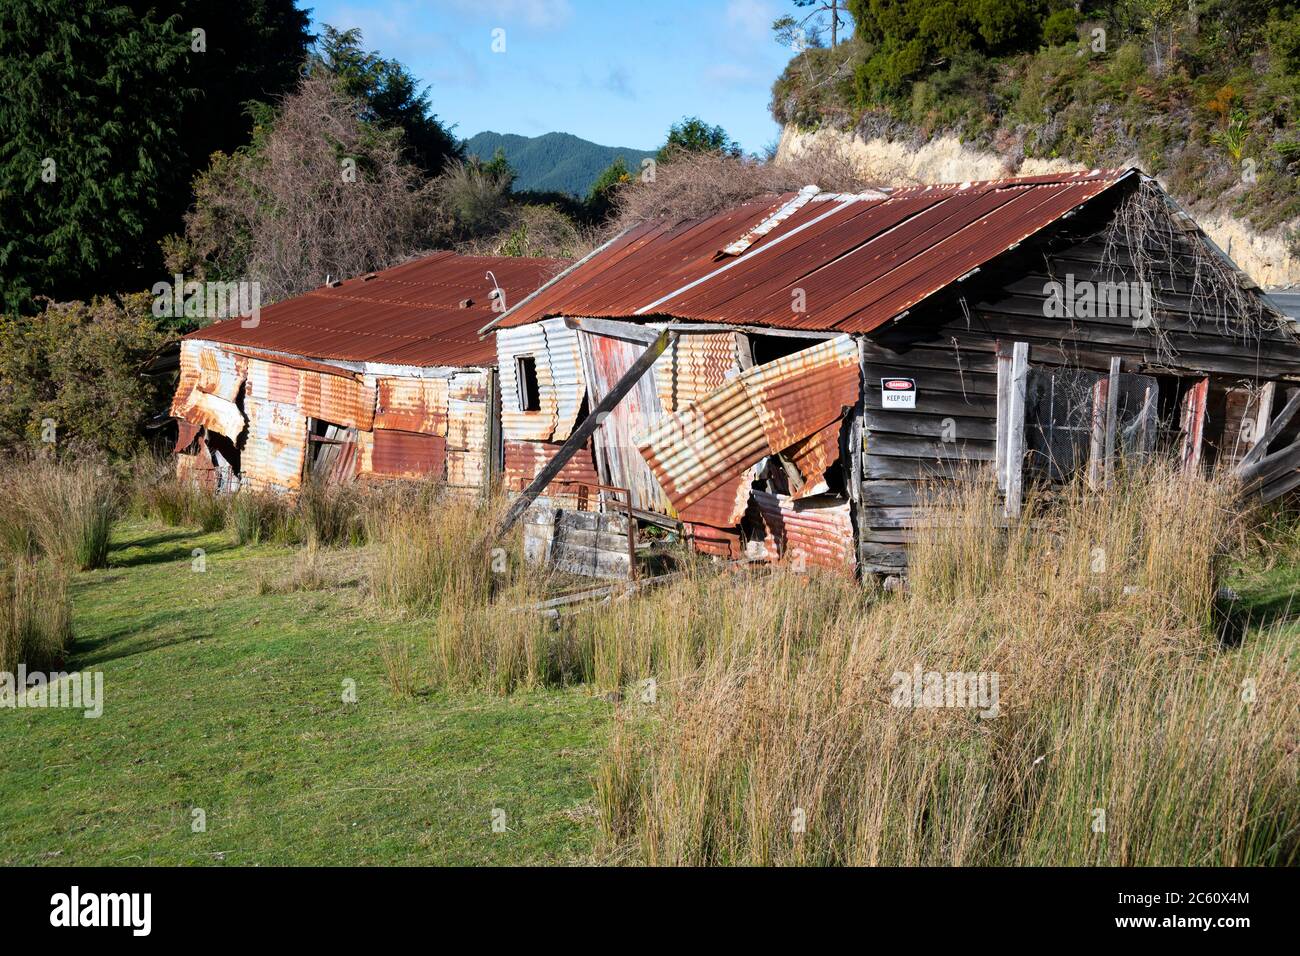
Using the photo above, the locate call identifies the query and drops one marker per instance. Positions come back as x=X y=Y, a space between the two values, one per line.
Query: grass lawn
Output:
x=218 y=698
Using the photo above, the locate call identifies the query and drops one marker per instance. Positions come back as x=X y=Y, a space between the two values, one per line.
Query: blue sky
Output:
x=617 y=73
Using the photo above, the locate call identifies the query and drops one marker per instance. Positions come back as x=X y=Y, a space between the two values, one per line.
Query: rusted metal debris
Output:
x=803 y=535
x=761 y=412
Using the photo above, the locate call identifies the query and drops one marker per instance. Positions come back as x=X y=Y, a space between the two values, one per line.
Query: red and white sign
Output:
x=897 y=393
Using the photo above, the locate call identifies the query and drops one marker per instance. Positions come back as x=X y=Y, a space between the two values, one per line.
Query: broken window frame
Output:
x=528 y=387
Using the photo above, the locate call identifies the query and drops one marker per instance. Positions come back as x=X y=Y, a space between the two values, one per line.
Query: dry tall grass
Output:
x=35 y=616
x=1126 y=734
x=63 y=510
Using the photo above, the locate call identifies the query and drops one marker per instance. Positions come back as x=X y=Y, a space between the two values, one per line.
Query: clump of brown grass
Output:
x=35 y=616
x=1121 y=736
x=61 y=509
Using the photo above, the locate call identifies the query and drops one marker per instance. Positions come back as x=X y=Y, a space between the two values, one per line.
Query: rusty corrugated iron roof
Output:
x=407 y=315
x=859 y=259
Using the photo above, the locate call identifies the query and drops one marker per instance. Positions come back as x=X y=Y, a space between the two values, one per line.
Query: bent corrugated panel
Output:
x=338 y=400
x=565 y=362
x=763 y=411
x=808 y=534
x=220 y=373
x=213 y=413
x=813 y=457
x=412 y=404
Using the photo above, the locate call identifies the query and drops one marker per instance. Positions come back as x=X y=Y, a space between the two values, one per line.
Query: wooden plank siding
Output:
x=951 y=346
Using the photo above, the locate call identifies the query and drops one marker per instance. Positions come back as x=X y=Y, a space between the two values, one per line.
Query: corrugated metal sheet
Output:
x=607 y=361
x=695 y=365
x=342 y=401
x=398 y=454
x=716 y=541
x=526 y=459
x=220 y=373
x=272 y=382
x=465 y=468
x=763 y=411
x=723 y=507
x=553 y=346
x=807 y=534
x=407 y=315
x=813 y=456
x=412 y=404
x=213 y=413
x=468 y=386
x=860 y=260
x=467 y=425
x=276 y=448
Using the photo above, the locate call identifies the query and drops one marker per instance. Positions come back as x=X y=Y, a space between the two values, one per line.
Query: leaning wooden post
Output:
x=1112 y=421
x=584 y=431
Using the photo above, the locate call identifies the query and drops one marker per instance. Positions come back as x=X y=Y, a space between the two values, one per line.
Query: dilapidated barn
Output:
x=787 y=379
x=379 y=376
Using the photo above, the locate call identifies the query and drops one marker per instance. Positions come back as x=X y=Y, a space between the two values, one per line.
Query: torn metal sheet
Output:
x=186 y=433
x=276 y=448
x=338 y=400
x=213 y=413
x=813 y=457
x=220 y=373
x=807 y=534
x=608 y=360
x=695 y=365
x=412 y=405
x=399 y=454
x=763 y=411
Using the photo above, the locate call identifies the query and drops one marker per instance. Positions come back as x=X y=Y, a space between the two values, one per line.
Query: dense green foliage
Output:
x=555 y=162
x=72 y=373
x=1204 y=94
x=693 y=135
x=109 y=108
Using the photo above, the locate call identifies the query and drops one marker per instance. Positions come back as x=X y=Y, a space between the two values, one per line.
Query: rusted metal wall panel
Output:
x=412 y=405
x=470 y=386
x=715 y=541
x=399 y=454
x=196 y=465
x=807 y=534
x=695 y=365
x=525 y=461
x=272 y=382
x=465 y=468
x=763 y=411
x=220 y=373
x=276 y=449
x=553 y=346
x=608 y=360
x=339 y=400
x=467 y=425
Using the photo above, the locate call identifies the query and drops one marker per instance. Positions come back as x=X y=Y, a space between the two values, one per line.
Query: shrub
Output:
x=261 y=516
x=63 y=510
x=330 y=513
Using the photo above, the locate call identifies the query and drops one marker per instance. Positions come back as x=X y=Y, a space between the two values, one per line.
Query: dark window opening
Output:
x=769 y=348
x=530 y=395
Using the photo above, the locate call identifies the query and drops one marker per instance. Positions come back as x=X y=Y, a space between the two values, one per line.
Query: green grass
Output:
x=221 y=699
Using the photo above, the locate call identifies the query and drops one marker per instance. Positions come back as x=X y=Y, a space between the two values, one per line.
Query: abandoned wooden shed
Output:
x=824 y=355
x=380 y=376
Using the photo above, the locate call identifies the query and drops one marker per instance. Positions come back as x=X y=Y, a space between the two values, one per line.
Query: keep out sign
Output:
x=897 y=393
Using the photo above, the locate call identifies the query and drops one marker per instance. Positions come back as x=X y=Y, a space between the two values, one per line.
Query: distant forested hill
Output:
x=555 y=162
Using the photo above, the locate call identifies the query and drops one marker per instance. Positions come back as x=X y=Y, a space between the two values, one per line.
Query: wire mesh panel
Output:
x=1058 y=420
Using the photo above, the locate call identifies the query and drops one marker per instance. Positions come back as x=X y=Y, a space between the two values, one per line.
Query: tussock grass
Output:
x=35 y=616
x=1116 y=698
x=62 y=510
